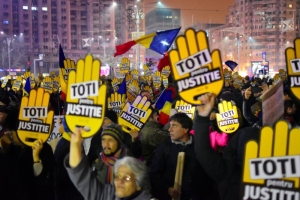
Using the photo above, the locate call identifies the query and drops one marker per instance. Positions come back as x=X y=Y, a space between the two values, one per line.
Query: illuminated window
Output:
x=25 y=7
x=33 y=8
x=44 y=8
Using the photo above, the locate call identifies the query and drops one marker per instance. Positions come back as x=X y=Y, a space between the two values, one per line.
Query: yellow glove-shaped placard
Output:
x=115 y=82
x=133 y=90
x=238 y=82
x=124 y=65
x=228 y=118
x=47 y=84
x=147 y=71
x=156 y=79
x=149 y=89
x=135 y=74
x=227 y=75
x=272 y=166
x=56 y=84
x=52 y=75
x=235 y=75
x=165 y=72
x=128 y=79
x=276 y=79
x=183 y=107
x=17 y=83
x=195 y=69
x=165 y=82
x=86 y=100
x=69 y=65
x=35 y=122
x=32 y=81
x=4 y=82
x=149 y=80
x=293 y=67
x=116 y=102
x=39 y=79
x=136 y=115
x=282 y=74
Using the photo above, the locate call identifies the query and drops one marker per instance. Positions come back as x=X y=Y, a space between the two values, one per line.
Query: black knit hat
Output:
x=115 y=131
x=3 y=109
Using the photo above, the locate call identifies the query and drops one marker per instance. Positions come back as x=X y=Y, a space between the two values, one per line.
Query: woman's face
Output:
x=125 y=182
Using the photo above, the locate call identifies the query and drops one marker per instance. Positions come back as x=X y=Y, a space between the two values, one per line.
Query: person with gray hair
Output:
x=130 y=176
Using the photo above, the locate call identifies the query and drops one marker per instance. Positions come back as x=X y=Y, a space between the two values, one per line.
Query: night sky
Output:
x=196 y=11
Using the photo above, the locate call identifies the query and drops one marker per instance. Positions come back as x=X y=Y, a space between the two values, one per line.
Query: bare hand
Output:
x=208 y=103
x=173 y=193
x=76 y=137
x=134 y=134
x=248 y=93
x=36 y=149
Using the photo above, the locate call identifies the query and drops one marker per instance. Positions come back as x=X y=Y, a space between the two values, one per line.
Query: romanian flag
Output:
x=61 y=58
x=164 y=113
x=166 y=95
x=159 y=42
x=122 y=87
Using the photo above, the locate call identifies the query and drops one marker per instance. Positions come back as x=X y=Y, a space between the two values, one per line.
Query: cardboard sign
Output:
x=4 y=82
x=227 y=75
x=69 y=65
x=35 y=121
x=238 y=82
x=156 y=80
x=196 y=70
x=115 y=82
x=86 y=100
x=133 y=90
x=228 y=118
x=147 y=71
x=293 y=67
x=124 y=65
x=272 y=104
x=165 y=82
x=17 y=83
x=183 y=107
x=282 y=73
x=58 y=128
x=47 y=84
x=116 y=102
x=272 y=166
x=135 y=115
x=149 y=89
x=56 y=83
x=28 y=74
x=52 y=75
x=135 y=74
x=165 y=72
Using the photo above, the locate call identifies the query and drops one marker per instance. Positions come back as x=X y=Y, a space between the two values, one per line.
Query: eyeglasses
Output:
x=125 y=178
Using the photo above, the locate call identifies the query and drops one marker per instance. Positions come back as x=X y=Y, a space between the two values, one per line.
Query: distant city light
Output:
x=1 y=32
x=114 y=4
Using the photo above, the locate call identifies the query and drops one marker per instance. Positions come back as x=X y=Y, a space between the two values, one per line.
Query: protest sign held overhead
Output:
x=124 y=66
x=35 y=121
x=86 y=100
x=272 y=166
x=195 y=69
x=227 y=118
x=183 y=107
x=293 y=67
x=116 y=102
x=135 y=115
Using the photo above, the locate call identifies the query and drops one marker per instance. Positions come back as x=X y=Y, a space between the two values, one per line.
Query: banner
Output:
x=152 y=63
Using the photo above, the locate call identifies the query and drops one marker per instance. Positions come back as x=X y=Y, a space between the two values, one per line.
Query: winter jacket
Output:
x=90 y=187
x=225 y=170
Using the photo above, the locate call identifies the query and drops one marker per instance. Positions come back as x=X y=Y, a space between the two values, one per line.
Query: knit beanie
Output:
x=112 y=115
x=115 y=131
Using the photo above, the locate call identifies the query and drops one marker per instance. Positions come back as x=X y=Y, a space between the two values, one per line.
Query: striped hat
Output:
x=115 y=131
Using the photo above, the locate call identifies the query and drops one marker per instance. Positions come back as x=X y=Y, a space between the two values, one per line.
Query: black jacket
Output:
x=226 y=169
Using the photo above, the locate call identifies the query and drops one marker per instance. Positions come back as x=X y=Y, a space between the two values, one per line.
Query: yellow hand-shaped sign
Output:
x=195 y=69
x=135 y=116
x=47 y=84
x=293 y=67
x=52 y=75
x=39 y=79
x=17 y=83
x=135 y=74
x=165 y=72
x=149 y=89
x=115 y=82
x=86 y=100
x=133 y=90
x=183 y=107
x=56 y=83
x=228 y=118
x=272 y=166
x=124 y=66
x=69 y=65
x=35 y=122
x=116 y=102
x=227 y=75
x=282 y=74
x=147 y=72
x=238 y=82
x=276 y=79
x=165 y=82
x=128 y=78
x=4 y=82
x=157 y=79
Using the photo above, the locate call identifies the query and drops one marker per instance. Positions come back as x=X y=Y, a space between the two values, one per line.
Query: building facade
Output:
x=30 y=28
x=257 y=31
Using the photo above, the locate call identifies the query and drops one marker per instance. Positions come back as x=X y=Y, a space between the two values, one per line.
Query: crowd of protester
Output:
x=139 y=164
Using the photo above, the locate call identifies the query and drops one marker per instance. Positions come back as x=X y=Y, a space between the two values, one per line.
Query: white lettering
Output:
x=295 y=65
x=84 y=110
x=295 y=81
x=138 y=112
x=131 y=120
x=34 y=127
x=84 y=89
x=35 y=112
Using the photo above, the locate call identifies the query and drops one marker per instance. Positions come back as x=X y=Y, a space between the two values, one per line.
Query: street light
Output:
x=8 y=42
x=34 y=67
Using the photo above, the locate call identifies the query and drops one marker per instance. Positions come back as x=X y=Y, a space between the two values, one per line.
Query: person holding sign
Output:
x=195 y=182
x=225 y=170
x=130 y=176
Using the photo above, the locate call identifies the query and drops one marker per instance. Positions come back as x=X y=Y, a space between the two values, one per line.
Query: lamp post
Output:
x=34 y=65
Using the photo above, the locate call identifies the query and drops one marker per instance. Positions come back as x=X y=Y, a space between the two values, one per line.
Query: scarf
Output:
x=109 y=161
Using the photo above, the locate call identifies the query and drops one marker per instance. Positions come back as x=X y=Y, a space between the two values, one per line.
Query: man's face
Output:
x=177 y=132
x=125 y=182
x=154 y=117
x=109 y=144
x=292 y=111
x=2 y=117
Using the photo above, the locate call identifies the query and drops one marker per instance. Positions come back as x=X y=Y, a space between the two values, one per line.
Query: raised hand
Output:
x=227 y=118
